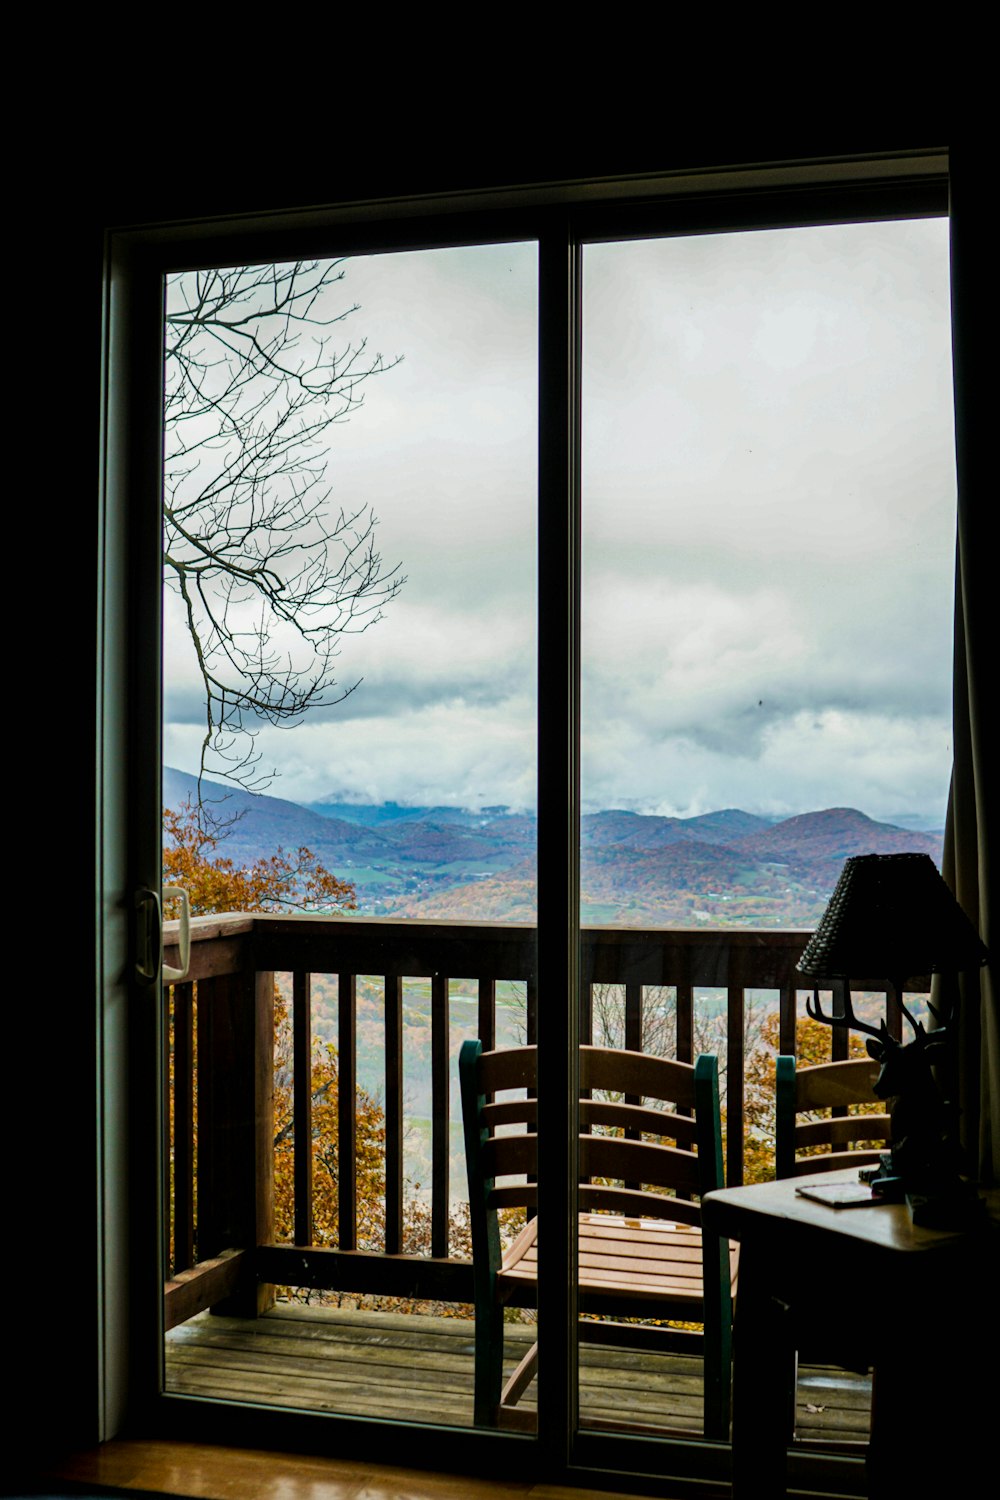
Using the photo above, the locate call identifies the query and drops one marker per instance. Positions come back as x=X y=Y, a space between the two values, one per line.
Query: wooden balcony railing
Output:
x=220 y=1177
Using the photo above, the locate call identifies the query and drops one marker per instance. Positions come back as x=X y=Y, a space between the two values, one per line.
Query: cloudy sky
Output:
x=769 y=503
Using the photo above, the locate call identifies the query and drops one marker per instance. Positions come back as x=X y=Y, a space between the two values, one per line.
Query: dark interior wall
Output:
x=52 y=1233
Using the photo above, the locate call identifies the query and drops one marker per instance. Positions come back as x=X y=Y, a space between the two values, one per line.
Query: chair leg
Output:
x=718 y=1380
x=489 y=1363
x=521 y=1378
x=718 y=1342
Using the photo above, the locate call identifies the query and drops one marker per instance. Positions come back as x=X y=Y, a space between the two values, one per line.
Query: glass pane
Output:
x=350 y=604
x=768 y=554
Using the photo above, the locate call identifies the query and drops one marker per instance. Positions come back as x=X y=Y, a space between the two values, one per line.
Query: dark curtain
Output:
x=972 y=802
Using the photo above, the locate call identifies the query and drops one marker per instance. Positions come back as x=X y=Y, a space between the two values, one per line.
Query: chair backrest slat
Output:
x=842 y=1132
x=658 y=1122
x=513 y=1195
x=835 y=1086
x=600 y=1198
x=638 y=1162
x=637 y=1073
x=510 y=1155
x=833 y=1161
x=510 y=1112
x=507 y=1068
x=836 y=1083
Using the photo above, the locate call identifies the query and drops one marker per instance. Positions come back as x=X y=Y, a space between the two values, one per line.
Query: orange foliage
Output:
x=281 y=882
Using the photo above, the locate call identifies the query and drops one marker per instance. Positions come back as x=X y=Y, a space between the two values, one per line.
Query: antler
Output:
x=815 y=1010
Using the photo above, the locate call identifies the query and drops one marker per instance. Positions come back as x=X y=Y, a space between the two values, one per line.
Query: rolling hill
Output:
x=725 y=868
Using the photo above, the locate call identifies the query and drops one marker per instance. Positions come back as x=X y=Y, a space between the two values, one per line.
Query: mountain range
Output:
x=725 y=868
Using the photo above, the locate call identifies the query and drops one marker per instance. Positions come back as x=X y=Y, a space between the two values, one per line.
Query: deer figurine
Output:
x=924 y=1148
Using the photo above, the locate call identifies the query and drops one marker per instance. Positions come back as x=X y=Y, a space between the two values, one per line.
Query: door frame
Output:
x=130 y=1039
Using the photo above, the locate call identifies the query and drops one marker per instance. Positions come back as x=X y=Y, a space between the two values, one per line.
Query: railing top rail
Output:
x=232 y=923
x=205 y=929
x=219 y=945
x=704 y=956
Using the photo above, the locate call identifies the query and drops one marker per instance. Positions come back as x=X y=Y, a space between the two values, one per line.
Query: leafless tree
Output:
x=659 y=1018
x=270 y=573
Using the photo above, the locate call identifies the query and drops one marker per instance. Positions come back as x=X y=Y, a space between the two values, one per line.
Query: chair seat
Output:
x=625 y=1264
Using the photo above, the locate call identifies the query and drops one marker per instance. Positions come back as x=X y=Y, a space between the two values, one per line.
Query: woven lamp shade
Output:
x=891 y=916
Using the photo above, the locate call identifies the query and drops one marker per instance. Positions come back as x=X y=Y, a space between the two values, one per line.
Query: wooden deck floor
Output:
x=414 y=1367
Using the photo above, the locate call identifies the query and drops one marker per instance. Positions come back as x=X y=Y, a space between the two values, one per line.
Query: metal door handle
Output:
x=149 y=936
x=178 y=893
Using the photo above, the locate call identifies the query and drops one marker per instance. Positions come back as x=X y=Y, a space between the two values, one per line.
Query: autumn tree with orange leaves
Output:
x=277 y=882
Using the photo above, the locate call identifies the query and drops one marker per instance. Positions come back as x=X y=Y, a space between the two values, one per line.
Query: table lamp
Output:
x=890 y=917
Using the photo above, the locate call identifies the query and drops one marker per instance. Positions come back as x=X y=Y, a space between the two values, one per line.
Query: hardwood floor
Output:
x=196 y=1470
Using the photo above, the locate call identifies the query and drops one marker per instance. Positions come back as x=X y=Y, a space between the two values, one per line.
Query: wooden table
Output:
x=863 y=1286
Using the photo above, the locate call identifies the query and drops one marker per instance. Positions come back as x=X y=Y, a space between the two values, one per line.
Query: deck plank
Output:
x=405 y=1366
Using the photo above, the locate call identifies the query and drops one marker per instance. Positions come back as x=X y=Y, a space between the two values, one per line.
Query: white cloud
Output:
x=768 y=528
x=441 y=753
x=887 y=767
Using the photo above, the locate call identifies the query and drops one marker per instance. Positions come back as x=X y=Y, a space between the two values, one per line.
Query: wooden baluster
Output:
x=236 y=1182
x=393 y=1114
x=840 y=1035
x=347 y=1196
x=633 y=1017
x=787 y=1015
x=840 y=1050
x=586 y=1016
x=440 y=1114
x=488 y=1013
x=183 y=1041
x=735 y=1035
x=633 y=1043
x=894 y=1014
x=302 y=1105
x=685 y=1022
x=206 y=1236
x=259 y=990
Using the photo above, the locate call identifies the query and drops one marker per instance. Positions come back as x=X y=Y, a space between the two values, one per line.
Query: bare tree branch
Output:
x=269 y=572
